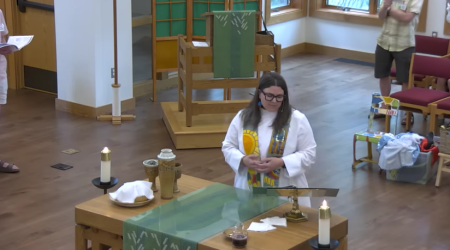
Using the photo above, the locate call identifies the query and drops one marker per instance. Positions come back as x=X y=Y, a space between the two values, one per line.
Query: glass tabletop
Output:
x=189 y=219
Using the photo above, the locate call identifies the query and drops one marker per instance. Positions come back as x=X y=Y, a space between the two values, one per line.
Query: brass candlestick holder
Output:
x=295 y=214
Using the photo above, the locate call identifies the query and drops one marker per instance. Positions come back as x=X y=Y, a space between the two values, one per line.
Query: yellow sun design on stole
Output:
x=250 y=141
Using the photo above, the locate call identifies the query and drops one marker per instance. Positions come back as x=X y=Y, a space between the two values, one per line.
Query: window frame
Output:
x=319 y=9
x=446 y=24
x=297 y=9
x=373 y=6
x=284 y=7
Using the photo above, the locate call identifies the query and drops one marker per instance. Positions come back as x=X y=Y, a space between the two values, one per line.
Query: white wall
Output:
x=84 y=51
x=288 y=33
x=363 y=37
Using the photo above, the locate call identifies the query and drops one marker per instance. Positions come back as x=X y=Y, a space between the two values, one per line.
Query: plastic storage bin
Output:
x=420 y=173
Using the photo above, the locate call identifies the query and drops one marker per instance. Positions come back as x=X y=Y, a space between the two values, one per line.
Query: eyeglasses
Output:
x=269 y=97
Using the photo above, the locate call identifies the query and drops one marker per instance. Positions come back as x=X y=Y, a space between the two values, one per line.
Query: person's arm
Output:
x=408 y=15
x=305 y=156
x=448 y=13
x=230 y=146
x=401 y=16
x=382 y=14
x=385 y=7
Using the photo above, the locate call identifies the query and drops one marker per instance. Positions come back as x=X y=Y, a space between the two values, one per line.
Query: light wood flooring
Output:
x=37 y=205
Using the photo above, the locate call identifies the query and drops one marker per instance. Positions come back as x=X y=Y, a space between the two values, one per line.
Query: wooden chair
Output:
x=370 y=136
x=443 y=159
x=441 y=108
x=418 y=99
x=434 y=46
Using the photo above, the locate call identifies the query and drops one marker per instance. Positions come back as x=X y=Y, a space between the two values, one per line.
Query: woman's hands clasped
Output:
x=264 y=166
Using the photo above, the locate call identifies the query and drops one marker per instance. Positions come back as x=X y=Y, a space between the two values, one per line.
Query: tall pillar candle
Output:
x=105 y=167
x=324 y=225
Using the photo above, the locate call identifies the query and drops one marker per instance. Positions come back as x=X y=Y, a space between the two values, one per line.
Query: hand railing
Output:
x=22 y=4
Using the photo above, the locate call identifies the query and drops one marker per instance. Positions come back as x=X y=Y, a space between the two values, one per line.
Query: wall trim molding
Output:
x=91 y=112
x=293 y=50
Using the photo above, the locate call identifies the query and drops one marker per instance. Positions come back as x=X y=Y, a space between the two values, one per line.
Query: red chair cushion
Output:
x=431 y=66
x=420 y=96
x=432 y=45
x=419 y=78
x=444 y=105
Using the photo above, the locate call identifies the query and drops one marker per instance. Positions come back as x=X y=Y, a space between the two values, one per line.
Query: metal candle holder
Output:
x=105 y=186
x=314 y=243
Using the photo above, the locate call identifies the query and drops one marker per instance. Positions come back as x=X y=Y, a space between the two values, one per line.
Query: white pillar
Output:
x=84 y=49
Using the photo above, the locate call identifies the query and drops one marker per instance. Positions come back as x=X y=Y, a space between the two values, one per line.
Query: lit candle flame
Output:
x=106 y=150
x=324 y=205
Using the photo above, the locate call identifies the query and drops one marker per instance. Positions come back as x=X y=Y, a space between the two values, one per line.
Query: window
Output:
x=350 y=4
x=363 y=12
x=277 y=4
x=355 y=5
x=278 y=11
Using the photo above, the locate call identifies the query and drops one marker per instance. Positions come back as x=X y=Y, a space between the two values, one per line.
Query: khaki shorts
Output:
x=383 y=63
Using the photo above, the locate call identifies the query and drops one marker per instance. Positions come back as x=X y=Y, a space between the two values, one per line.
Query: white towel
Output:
x=131 y=190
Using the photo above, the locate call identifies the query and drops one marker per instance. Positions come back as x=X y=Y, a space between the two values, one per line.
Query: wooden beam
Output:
x=225 y=83
x=141 y=21
x=218 y=107
x=263 y=50
x=208 y=68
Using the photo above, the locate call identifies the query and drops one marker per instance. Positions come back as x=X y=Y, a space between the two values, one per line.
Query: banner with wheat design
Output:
x=234 y=43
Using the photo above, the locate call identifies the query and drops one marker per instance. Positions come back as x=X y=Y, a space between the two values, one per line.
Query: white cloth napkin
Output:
x=267 y=224
x=131 y=190
x=260 y=227
x=275 y=221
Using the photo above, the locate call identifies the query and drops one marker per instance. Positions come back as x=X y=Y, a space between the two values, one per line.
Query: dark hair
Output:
x=251 y=115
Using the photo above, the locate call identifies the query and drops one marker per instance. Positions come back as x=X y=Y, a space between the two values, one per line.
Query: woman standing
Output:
x=269 y=143
x=5 y=167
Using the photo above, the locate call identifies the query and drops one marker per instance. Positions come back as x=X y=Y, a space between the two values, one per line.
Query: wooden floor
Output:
x=37 y=205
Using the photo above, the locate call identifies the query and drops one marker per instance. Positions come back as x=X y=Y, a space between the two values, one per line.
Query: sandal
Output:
x=404 y=120
x=6 y=167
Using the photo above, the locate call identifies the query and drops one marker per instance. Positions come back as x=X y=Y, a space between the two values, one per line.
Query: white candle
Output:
x=324 y=224
x=105 y=167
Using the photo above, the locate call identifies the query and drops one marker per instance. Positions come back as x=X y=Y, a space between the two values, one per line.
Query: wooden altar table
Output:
x=101 y=222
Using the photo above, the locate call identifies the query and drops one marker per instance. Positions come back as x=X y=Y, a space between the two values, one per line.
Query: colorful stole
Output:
x=276 y=149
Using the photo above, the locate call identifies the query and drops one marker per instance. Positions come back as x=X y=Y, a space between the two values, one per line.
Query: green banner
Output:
x=183 y=222
x=234 y=44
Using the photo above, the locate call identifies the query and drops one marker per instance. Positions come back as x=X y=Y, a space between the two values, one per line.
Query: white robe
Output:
x=299 y=153
x=3 y=63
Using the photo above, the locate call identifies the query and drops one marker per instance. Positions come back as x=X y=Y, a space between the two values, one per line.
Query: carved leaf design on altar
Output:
x=237 y=19
x=138 y=245
x=153 y=243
